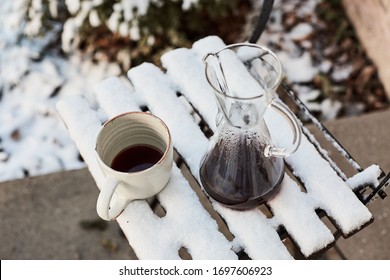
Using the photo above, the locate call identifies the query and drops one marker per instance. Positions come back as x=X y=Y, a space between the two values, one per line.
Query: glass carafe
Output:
x=243 y=168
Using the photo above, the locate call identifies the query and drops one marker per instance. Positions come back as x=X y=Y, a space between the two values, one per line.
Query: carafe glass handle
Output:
x=297 y=132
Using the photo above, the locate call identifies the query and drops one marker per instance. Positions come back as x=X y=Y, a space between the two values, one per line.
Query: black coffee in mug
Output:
x=136 y=158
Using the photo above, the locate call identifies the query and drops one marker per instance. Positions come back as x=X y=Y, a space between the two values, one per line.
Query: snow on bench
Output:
x=186 y=223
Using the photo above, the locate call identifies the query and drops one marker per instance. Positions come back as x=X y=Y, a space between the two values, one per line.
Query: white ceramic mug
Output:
x=126 y=131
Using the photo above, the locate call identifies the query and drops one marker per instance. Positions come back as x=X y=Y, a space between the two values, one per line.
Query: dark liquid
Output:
x=240 y=176
x=136 y=158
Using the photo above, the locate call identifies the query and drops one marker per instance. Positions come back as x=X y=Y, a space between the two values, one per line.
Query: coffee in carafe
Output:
x=236 y=173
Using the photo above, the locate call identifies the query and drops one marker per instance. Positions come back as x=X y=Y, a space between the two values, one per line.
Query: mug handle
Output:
x=104 y=210
x=297 y=132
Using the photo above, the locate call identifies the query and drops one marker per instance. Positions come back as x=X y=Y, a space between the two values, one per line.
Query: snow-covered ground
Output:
x=34 y=141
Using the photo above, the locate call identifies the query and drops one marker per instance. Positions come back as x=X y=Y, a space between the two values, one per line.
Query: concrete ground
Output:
x=367 y=139
x=54 y=217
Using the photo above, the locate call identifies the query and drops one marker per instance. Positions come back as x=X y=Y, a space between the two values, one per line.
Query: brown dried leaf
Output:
x=16 y=135
x=365 y=75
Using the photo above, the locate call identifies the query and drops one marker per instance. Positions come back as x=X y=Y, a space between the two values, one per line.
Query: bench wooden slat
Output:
x=186 y=222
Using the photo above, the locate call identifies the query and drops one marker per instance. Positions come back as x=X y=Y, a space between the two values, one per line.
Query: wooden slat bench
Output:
x=181 y=96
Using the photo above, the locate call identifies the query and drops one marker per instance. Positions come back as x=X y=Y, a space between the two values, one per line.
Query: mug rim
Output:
x=163 y=157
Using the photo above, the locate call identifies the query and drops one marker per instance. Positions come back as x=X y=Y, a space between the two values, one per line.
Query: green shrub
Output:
x=131 y=31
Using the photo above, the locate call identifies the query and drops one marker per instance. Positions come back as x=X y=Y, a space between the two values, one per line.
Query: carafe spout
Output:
x=215 y=74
